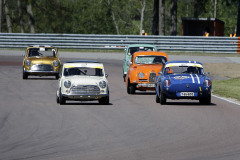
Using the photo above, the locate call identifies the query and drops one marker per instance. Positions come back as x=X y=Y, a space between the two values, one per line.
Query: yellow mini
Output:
x=41 y=61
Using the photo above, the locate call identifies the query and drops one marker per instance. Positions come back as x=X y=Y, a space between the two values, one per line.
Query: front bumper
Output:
x=43 y=73
x=178 y=95
x=145 y=86
x=84 y=97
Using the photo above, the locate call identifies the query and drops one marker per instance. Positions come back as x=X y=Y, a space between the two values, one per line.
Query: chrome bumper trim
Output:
x=84 y=97
x=147 y=85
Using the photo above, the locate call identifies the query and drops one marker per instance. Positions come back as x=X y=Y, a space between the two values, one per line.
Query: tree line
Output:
x=155 y=17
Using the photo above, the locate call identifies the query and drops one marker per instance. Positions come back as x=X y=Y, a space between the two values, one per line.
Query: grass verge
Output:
x=227 y=88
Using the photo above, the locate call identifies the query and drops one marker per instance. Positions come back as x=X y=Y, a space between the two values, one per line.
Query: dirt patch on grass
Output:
x=228 y=70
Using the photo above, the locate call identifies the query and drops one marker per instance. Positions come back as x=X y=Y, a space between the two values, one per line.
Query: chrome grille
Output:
x=143 y=80
x=85 y=89
x=152 y=77
x=42 y=67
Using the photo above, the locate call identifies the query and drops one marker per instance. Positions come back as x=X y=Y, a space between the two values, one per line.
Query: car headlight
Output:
x=141 y=75
x=55 y=63
x=103 y=84
x=67 y=84
x=28 y=63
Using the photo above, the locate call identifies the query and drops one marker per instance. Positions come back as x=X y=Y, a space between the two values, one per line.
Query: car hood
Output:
x=85 y=80
x=42 y=60
x=149 y=68
x=186 y=78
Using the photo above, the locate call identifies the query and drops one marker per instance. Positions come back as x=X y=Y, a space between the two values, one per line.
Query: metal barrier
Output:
x=92 y=41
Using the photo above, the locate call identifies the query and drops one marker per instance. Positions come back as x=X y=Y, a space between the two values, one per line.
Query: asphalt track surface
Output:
x=133 y=127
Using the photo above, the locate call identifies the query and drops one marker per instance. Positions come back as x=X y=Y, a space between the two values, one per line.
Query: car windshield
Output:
x=150 y=60
x=83 y=71
x=136 y=49
x=183 y=70
x=42 y=52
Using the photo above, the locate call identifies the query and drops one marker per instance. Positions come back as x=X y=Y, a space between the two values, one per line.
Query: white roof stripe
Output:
x=184 y=64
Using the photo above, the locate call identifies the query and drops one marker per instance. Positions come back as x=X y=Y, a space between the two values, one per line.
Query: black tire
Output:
x=25 y=75
x=162 y=98
x=104 y=100
x=124 y=76
x=131 y=88
x=57 y=98
x=157 y=98
x=206 y=100
x=62 y=100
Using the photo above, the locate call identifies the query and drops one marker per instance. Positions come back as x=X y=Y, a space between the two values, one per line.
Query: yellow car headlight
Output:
x=55 y=63
x=28 y=63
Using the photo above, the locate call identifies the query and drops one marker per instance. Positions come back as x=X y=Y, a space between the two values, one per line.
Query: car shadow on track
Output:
x=145 y=93
x=86 y=103
x=189 y=103
x=42 y=78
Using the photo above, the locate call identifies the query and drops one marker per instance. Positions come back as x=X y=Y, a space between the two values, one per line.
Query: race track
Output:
x=133 y=127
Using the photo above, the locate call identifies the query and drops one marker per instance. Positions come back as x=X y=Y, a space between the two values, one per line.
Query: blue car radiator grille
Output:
x=85 y=89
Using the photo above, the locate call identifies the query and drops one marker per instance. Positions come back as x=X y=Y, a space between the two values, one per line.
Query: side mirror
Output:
x=125 y=49
x=160 y=73
x=129 y=63
x=106 y=75
x=23 y=55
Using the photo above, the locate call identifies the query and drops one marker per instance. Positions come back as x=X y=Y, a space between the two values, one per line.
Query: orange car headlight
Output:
x=141 y=75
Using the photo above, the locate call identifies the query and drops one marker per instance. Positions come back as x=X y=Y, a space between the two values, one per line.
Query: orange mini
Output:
x=143 y=68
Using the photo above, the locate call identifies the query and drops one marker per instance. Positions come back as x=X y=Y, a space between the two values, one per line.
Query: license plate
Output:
x=151 y=85
x=187 y=94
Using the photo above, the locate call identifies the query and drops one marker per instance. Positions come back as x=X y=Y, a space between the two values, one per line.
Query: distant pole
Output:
x=0 y=16
x=215 y=9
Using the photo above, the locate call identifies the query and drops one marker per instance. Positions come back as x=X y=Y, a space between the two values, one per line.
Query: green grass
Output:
x=227 y=88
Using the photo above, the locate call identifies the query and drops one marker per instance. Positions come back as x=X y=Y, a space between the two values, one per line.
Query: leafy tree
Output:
x=173 y=12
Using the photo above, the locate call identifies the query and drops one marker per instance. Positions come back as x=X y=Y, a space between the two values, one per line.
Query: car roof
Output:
x=141 y=45
x=82 y=61
x=40 y=46
x=150 y=53
x=184 y=61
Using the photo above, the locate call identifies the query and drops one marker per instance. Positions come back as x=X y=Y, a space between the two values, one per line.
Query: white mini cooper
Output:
x=82 y=81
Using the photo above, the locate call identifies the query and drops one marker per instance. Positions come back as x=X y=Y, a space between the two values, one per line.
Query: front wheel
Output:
x=57 y=76
x=62 y=100
x=25 y=75
x=104 y=100
x=57 y=98
x=162 y=98
x=130 y=89
x=124 y=76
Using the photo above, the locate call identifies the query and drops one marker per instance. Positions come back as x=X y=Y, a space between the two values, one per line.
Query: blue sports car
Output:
x=183 y=80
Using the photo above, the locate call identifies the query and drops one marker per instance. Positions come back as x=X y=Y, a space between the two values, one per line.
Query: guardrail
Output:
x=92 y=41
